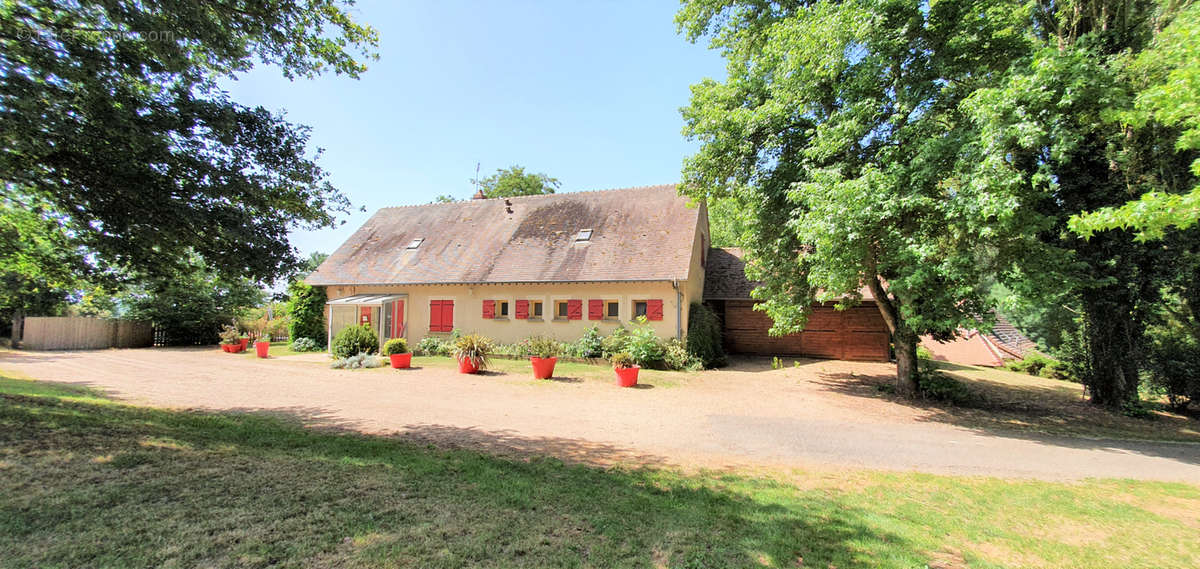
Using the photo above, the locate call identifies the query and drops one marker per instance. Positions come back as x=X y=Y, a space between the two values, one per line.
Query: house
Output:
x=510 y=268
x=557 y=264
x=978 y=348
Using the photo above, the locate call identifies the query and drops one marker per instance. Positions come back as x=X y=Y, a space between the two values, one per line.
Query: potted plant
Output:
x=472 y=352
x=543 y=354
x=396 y=350
x=243 y=342
x=627 y=372
x=229 y=339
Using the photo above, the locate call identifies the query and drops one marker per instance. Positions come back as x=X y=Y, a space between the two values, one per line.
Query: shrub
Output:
x=1032 y=364
x=1174 y=368
x=941 y=387
x=434 y=346
x=591 y=345
x=704 y=336
x=474 y=348
x=355 y=340
x=543 y=347
x=677 y=356
x=359 y=361
x=644 y=345
x=230 y=334
x=621 y=360
x=305 y=345
x=306 y=312
x=395 y=346
x=1057 y=370
x=923 y=353
x=614 y=343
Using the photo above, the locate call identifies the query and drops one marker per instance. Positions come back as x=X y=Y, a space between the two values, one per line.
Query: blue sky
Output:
x=587 y=92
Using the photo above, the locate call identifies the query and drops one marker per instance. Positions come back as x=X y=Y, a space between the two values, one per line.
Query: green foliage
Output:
x=644 y=345
x=181 y=170
x=543 y=347
x=514 y=181
x=230 y=334
x=924 y=354
x=1033 y=363
x=474 y=348
x=615 y=342
x=941 y=387
x=841 y=143
x=40 y=264
x=305 y=345
x=1170 y=70
x=676 y=356
x=353 y=340
x=1174 y=365
x=358 y=361
x=704 y=340
x=395 y=346
x=591 y=344
x=622 y=360
x=306 y=312
x=434 y=346
x=191 y=306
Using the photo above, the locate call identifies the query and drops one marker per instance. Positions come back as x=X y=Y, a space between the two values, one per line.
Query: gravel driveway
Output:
x=726 y=418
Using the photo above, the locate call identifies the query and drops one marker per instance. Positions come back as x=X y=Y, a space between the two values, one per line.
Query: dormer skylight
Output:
x=415 y=243
x=584 y=236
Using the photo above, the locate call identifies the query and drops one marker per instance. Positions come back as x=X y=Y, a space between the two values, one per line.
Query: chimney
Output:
x=479 y=195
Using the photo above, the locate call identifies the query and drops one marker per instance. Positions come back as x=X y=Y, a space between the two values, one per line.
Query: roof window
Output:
x=415 y=243
x=584 y=235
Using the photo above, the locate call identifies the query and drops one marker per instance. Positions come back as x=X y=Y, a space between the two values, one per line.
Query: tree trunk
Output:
x=906 y=362
x=903 y=339
x=1112 y=351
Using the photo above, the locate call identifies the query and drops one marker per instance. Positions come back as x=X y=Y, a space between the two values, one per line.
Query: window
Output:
x=561 y=310
x=584 y=236
x=536 y=310
x=612 y=310
x=415 y=243
x=639 y=308
x=441 y=315
x=501 y=309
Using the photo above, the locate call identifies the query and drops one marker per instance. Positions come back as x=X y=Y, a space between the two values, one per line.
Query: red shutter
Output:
x=435 y=316
x=574 y=310
x=595 y=309
x=447 y=315
x=489 y=309
x=654 y=310
x=522 y=310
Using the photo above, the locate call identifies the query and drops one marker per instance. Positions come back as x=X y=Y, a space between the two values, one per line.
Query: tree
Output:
x=1171 y=69
x=193 y=304
x=40 y=265
x=1055 y=131
x=513 y=181
x=838 y=134
x=110 y=113
x=306 y=309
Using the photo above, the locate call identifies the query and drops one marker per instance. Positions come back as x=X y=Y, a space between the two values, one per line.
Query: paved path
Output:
x=734 y=418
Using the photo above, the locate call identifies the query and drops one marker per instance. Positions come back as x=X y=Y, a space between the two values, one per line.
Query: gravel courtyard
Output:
x=746 y=416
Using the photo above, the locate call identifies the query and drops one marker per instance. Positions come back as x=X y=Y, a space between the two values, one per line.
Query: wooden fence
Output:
x=80 y=333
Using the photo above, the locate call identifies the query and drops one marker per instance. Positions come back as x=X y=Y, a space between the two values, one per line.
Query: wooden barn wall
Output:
x=858 y=333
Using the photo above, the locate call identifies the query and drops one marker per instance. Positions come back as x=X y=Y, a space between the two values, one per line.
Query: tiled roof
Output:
x=638 y=234
x=1008 y=338
x=725 y=276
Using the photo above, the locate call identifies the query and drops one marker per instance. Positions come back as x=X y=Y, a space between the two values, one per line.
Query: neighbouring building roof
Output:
x=1009 y=339
x=725 y=276
x=973 y=347
x=637 y=234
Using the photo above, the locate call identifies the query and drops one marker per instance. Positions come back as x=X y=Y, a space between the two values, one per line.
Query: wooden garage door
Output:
x=855 y=334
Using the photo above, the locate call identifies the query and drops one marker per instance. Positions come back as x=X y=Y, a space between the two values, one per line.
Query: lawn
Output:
x=85 y=481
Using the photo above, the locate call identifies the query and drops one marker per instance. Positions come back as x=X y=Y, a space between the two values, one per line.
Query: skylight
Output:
x=416 y=243
x=584 y=235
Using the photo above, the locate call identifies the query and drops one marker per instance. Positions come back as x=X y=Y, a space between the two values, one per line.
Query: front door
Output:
x=364 y=315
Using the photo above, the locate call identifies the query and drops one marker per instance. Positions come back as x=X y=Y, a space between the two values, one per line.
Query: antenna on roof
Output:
x=478 y=192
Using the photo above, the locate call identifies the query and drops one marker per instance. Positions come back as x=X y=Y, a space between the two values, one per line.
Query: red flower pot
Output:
x=261 y=348
x=465 y=365
x=543 y=368
x=226 y=348
x=627 y=376
x=401 y=361
x=242 y=345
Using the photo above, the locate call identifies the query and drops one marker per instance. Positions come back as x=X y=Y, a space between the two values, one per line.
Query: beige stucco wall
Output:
x=468 y=307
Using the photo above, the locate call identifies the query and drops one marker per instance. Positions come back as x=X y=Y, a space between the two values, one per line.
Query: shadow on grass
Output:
x=1039 y=414
x=248 y=489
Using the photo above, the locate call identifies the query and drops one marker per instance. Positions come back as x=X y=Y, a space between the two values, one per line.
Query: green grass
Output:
x=86 y=482
x=278 y=349
x=564 y=370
